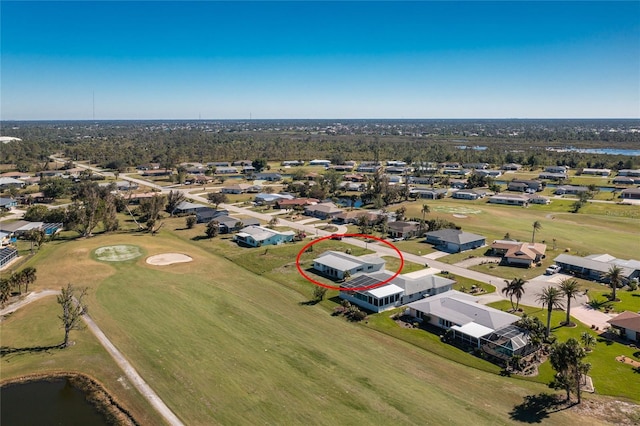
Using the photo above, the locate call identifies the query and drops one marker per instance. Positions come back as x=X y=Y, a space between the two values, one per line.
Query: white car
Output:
x=553 y=269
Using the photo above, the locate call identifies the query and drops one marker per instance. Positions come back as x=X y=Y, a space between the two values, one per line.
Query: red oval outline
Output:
x=369 y=287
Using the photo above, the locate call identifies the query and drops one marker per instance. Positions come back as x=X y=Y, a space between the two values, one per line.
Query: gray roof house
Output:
x=594 y=266
x=454 y=240
x=335 y=264
x=401 y=290
x=187 y=207
x=401 y=229
x=460 y=312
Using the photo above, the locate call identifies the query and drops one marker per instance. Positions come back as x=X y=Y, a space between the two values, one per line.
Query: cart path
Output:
x=131 y=373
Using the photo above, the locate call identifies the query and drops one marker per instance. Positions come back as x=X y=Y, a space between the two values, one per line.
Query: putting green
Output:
x=118 y=253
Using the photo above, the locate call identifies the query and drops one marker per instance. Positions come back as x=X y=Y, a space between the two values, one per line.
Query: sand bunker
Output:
x=117 y=253
x=168 y=259
x=460 y=216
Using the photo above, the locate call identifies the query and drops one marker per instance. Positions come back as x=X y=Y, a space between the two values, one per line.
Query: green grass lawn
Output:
x=610 y=376
x=222 y=344
x=37 y=325
x=629 y=300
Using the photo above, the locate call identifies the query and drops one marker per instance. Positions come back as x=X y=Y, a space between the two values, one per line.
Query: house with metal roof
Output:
x=264 y=198
x=629 y=325
x=7 y=203
x=336 y=264
x=461 y=313
x=595 y=266
x=454 y=240
x=630 y=194
x=257 y=236
x=9 y=182
x=509 y=199
x=401 y=290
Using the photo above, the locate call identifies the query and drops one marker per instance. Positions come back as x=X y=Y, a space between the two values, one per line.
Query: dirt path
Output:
x=131 y=373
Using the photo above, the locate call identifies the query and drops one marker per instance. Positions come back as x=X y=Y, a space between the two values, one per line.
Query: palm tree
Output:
x=588 y=340
x=29 y=277
x=514 y=288
x=5 y=291
x=614 y=277
x=550 y=297
x=570 y=288
x=425 y=209
x=536 y=227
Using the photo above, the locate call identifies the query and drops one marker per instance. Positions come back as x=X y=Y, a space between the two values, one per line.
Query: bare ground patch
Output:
x=168 y=259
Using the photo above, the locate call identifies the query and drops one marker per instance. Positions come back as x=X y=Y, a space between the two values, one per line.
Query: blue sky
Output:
x=143 y=60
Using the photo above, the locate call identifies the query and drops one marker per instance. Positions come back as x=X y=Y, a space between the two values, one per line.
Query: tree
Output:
x=566 y=360
x=29 y=277
x=535 y=327
x=346 y=275
x=73 y=308
x=588 y=340
x=5 y=291
x=536 y=227
x=570 y=289
x=319 y=293
x=36 y=213
x=191 y=221
x=274 y=221
x=173 y=200
x=514 y=288
x=550 y=297
x=212 y=229
x=259 y=164
x=217 y=198
x=425 y=210
x=36 y=236
x=614 y=277
x=363 y=224
x=400 y=213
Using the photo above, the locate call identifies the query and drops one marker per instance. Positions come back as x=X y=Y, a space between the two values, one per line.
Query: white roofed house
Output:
x=323 y=210
x=257 y=236
x=460 y=312
x=335 y=264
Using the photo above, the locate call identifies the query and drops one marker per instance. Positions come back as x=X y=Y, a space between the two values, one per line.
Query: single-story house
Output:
x=596 y=265
x=5 y=238
x=187 y=207
x=629 y=325
x=511 y=166
x=157 y=172
x=454 y=240
x=291 y=163
x=229 y=224
x=295 y=202
x=596 y=172
x=552 y=176
x=208 y=214
x=335 y=264
x=629 y=172
x=218 y=164
x=401 y=229
x=477 y=166
x=461 y=313
x=431 y=194
x=557 y=169
x=21 y=227
x=248 y=169
x=466 y=194
x=265 y=199
x=257 y=236
x=353 y=216
x=401 y=290
x=570 y=190
x=342 y=167
x=518 y=253
x=522 y=185
x=226 y=171
x=325 y=163
x=458 y=183
x=9 y=182
x=449 y=165
x=242 y=163
x=456 y=172
x=270 y=177
x=631 y=194
x=509 y=199
x=624 y=180
x=7 y=255
x=488 y=173
x=239 y=188
x=367 y=168
x=7 y=203
x=539 y=199
x=323 y=210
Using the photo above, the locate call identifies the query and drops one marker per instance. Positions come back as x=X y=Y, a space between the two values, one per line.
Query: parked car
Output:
x=336 y=237
x=553 y=269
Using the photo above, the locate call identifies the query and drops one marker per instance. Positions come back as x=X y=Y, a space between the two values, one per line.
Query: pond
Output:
x=47 y=402
x=346 y=202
